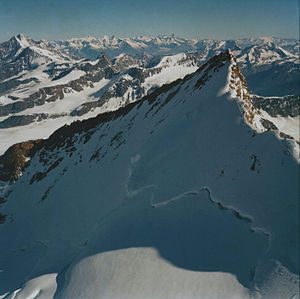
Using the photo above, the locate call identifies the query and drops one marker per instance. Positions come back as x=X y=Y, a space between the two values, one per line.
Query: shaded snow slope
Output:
x=175 y=184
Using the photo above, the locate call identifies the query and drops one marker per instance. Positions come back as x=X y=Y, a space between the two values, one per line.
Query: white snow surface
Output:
x=168 y=188
x=73 y=75
x=171 y=60
x=133 y=272
x=168 y=74
x=4 y=100
x=42 y=287
x=45 y=128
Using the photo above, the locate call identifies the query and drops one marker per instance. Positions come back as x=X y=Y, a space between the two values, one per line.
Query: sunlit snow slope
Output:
x=173 y=196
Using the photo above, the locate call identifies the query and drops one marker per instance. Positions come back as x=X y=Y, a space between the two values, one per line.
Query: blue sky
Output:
x=217 y=19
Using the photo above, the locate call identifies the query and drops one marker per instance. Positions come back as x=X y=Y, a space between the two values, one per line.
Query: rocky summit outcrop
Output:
x=16 y=158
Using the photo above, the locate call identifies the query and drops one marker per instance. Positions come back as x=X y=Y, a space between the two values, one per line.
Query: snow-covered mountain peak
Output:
x=124 y=61
x=23 y=40
x=172 y=60
x=266 y=53
x=103 y=60
x=21 y=54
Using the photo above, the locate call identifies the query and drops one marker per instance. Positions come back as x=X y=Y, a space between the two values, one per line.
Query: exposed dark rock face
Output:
x=20 y=63
x=9 y=49
x=103 y=62
x=14 y=160
x=23 y=120
x=132 y=78
x=123 y=62
x=278 y=106
x=285 y=136
x=13 y=83
x=268 y=125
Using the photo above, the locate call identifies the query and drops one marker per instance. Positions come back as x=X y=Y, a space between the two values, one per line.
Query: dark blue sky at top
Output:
x=216 y=19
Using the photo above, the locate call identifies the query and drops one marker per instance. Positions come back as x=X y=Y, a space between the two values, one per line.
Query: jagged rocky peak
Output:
x=124 y=61
x=237 y=86
x=23 y=39
x=10 y=48
x=228 y=44
x=133 y=80
x=103 y=60
x=40 y=48
x=21 y=53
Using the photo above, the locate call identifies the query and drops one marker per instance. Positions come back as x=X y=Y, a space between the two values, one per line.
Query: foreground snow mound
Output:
x=142 y=273
x=178 y=184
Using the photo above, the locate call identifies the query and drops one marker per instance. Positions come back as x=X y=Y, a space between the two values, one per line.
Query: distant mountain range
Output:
x=273 y=59
x=89 y=47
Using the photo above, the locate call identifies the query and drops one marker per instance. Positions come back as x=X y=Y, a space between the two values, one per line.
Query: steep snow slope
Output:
x=175 y=185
